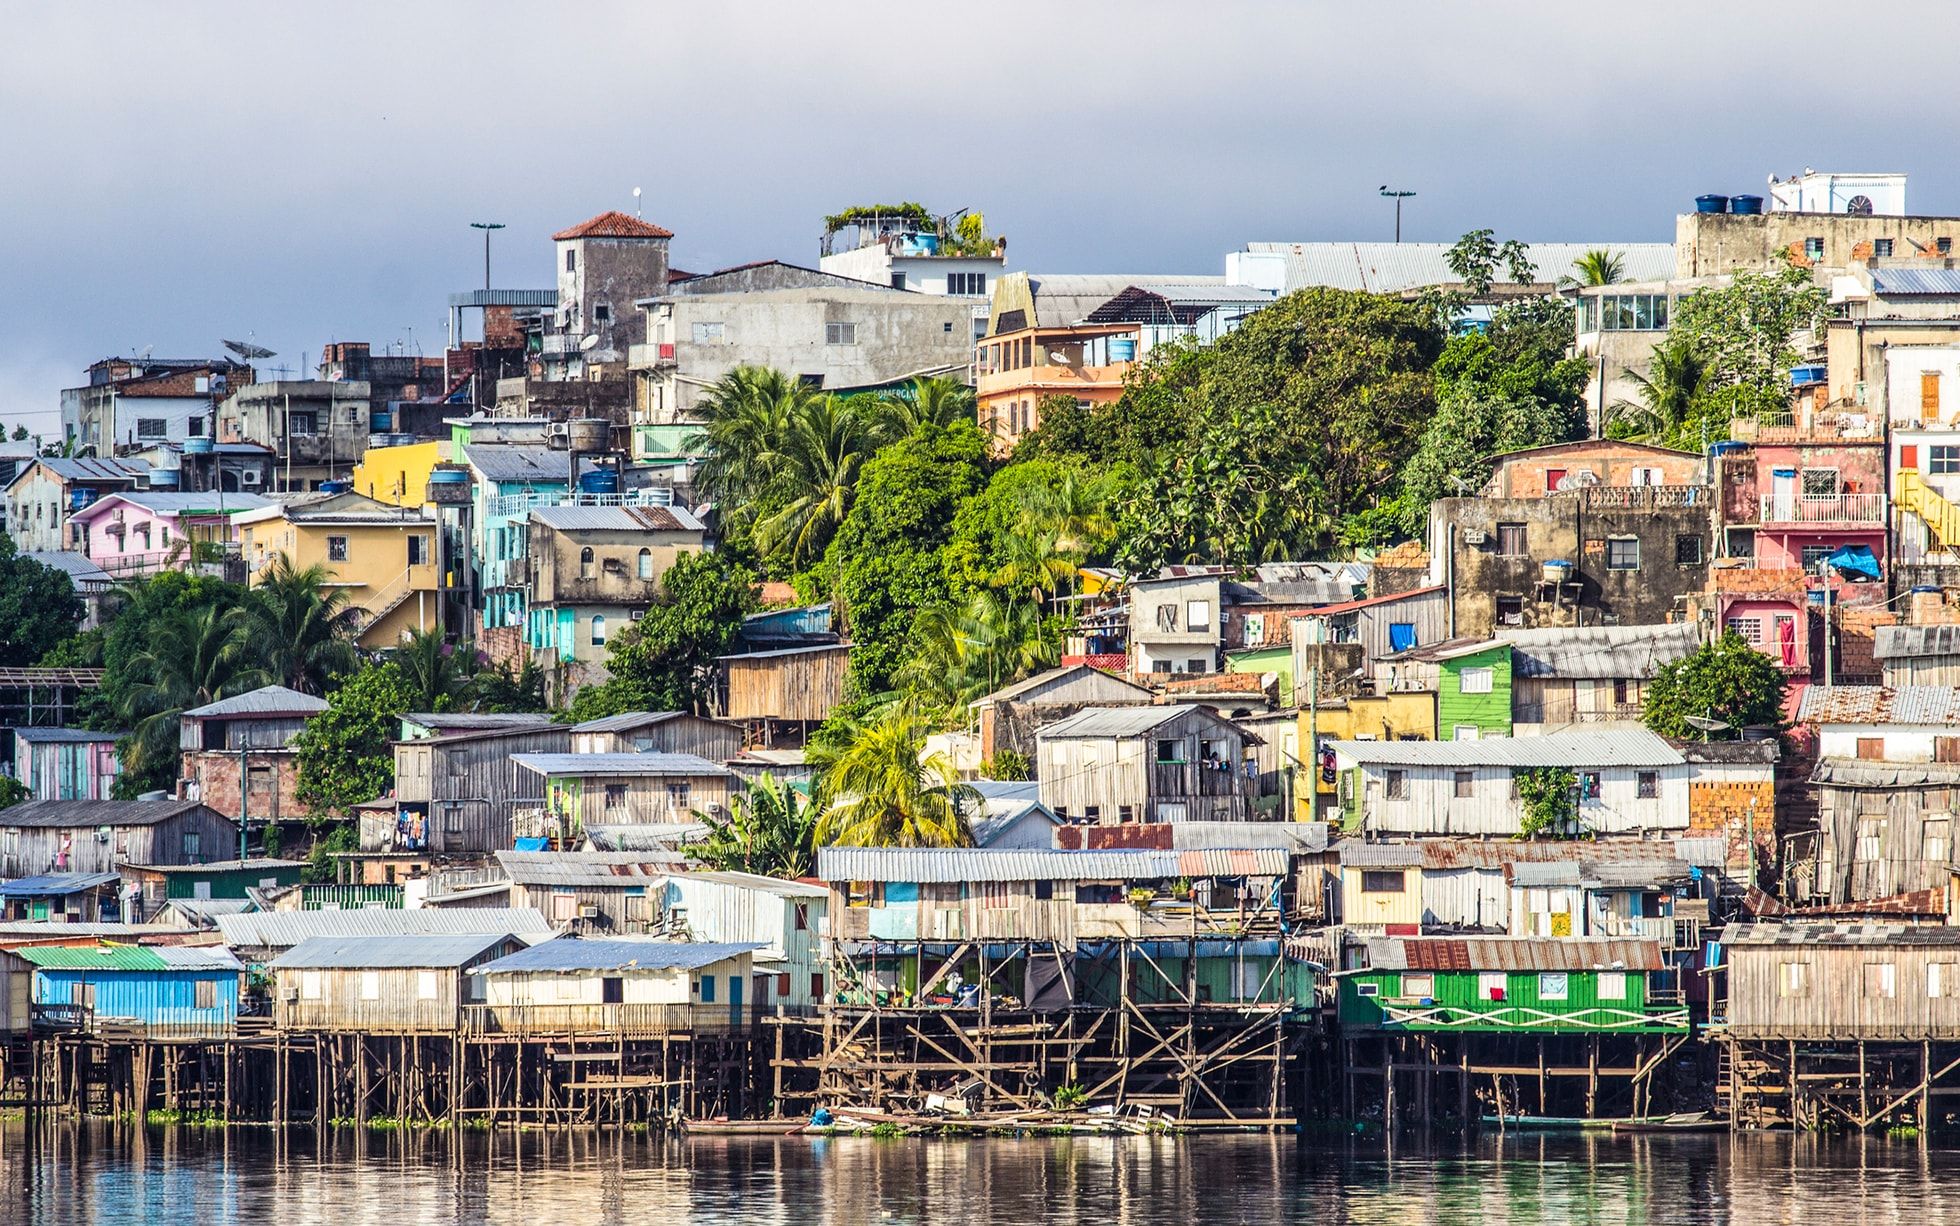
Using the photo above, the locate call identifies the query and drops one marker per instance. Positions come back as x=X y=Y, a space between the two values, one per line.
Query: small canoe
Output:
x=745 y=1128
x=1544 y=1123
x=1692 y=1121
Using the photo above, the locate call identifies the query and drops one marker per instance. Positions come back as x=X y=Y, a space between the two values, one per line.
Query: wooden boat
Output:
x=1544 y=1123
x=1688 y=1121
x=744 y=1128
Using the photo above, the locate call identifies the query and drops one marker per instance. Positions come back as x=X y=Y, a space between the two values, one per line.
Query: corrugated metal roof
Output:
x=1599 y=651
x=1062 y=299
x=1392 y=268
x=281 y=929
x=371 y=952
x=618 y=519
x=1007 y=789
x=266 y=700
x=1003 y=815
x=785 y=651
x=1867 y=773
x=1841 y=934
x=627 y=721
x=1915 y=282
x=1039 y=680
x=1606 y=875
x=438 y=722
x=53 y=885
x=31 y=930
x=755 y=881
x=1765 y=752
x=1513 y=954
x=63 y=736
x=1881 y=704
x=587 y=867
x=519 y=462
x=615 y=954
x=129 y=957
x=1895 y=642
x=1447 y=854
x=87 y=468
x=43 y=814
x=79 y=568
x=1546 y=873
x=1288 y=836
x=178 y=502
x=1117 y=722
x=649 y=836
x=625 y=765
x=204 y=912
x=938 y=865
x=1629 y=746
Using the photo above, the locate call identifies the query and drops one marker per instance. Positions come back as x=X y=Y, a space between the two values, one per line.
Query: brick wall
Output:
x=1723 y=809
x=1133 y=837
x=275 y=783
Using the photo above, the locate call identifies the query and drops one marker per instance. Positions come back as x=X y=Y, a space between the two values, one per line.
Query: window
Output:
x=601 y=314
x=1821 y=483
x=1871 y=747
x=615 y=796
x=197 y=427
x=1420 y=987
x=1170 y=751
x=303 y=423
x=1126 y=814
x=1871 y=838
x=1628 y=313
x=204 y=994
x=782 y=985
x=1092 y=814
x=1623 y=553
x=336 y=549
x=152 y=427
x=1940 y=978
x=1466 y=783
x=452 y=819
x=646 y=564
x=1167 y=616
x=1381 y=881
x=1368 y=989
x=1395 y=785
x=1197 y=614
x=425 y=985
x=1936 y=840
x=677 y=795
x=1793 y=979
x=1044 y=891
x=1813 y=248
x=1945 y=460
x=1588 y=785
x=1881 y=247
x=1510 y=541
x=1492 y=985
x=1649 y=785
x=803 y=917
x=708 y=334
x=370 y=985
x=1254 y=629
x=193 y=846
x=598 y=630
x=1620 y=691
x=1612 y=985
x=707 y=989
x=1476 y=680
x=1881 y=979
x=993 y=895
x=816 y=985
x=966 y=282
x=1687 y=551
x=1552 y=985
x=585 y=568
x=1943 y=245
x=840 y=334
x=571 y=259
x=1510 y=610
x=418 y=550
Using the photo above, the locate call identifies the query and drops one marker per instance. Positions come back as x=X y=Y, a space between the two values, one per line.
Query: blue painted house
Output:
x=511 y=480
x=159 y=986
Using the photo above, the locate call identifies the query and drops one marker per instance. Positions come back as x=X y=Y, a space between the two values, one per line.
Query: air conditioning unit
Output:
x=588 y=911
x=289 y=995
x=250 y=477
x=1475 y=536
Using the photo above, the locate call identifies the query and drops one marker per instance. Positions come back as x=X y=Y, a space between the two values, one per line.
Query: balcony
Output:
x=1823 y=510
x=1788 y=427
x=623 y=1020
x=1644 y=497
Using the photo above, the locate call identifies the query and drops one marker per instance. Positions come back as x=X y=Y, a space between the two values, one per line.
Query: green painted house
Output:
x=1258 y=660
x=1473 y=690
x=1528 y=985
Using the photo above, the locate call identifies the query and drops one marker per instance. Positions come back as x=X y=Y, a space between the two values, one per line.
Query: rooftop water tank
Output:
x=599 y=481
x=199 y=446
x=1122 y=348
x=1711 y=203
x=163 y=478
x=1727 y=448
x=589 y=434
x=1746 y=206
x=449 y=476
x=335 y=487
x=1808 y=376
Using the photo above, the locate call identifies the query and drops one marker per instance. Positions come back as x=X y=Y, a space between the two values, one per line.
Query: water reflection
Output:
x=98 y=1175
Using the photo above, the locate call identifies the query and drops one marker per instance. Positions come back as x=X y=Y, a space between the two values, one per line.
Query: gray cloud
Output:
x=170 y=174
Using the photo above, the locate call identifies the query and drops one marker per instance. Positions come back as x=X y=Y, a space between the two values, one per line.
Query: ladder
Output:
x=1942 y=518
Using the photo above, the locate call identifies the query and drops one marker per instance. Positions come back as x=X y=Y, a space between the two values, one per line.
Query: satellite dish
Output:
x=1705 y=724
x=248 y=351
x=589 y=343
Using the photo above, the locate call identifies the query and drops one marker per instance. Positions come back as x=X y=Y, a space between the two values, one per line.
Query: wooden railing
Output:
x=624 y=1020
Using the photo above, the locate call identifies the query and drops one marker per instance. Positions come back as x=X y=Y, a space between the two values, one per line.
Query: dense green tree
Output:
x=297 y=628
x=189 y=657
x=884 y=565
x=958 y=655
x=1744 y=334
x=38 y=607
x=815 y=468
x=1727 y=680
x=881 y=789
x=497 y=689
x=346 y=753
x=12 y=791
x=1477 y=258
x=770 y=829
x=939 y=401
x=1671 y=394
x=20 y=433
x=434 y=671
x=1596 y=267
x=666 y=660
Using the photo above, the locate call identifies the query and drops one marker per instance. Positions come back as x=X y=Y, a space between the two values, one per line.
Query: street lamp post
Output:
x=486 y=227
x=1398 y=198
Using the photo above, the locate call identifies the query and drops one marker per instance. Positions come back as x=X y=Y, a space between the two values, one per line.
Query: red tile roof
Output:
x=613 y=224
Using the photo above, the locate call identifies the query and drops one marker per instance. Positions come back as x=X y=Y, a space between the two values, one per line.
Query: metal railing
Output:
x=1823 y=509
x=512 y=505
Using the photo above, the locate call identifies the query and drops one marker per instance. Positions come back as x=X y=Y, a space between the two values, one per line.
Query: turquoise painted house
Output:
x=510 y=480
x=1515 y=985
x=160 y=986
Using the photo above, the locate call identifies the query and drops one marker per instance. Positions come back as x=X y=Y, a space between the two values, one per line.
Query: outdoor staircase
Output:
x=1942 y=518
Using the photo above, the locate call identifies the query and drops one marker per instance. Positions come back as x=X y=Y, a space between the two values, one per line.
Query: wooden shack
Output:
x=620 y=789
x=782 y=919
x=1843 y=982
x=597 y=891
x=1510 y=985
x=1111 y=765
x=74 y=898
x=382 y=983
x=94 y=836
x=1010 y=717
x=780 y=696
x=619 y=984
x=249 y=735
x=66 y=763
x=461 y=793
x=160 y=987
x=659 y=732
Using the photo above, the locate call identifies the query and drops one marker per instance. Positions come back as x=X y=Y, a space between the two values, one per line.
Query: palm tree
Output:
x=826 y=443
x=960 y=656
x=193 y=658
x=1033 y=565
x=937 y=401
x=1597 y=267
x=771 y=829
x=1077 y=509
x=434 y=670
x=883 y=790
x=298 y=628
x=745 y=416
x=1675 y=378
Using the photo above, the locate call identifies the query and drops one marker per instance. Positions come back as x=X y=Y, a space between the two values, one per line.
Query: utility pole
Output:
x=486 y=227
x=1398 y=197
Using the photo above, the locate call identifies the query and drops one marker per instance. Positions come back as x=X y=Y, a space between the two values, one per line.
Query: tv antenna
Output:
x=247 y=351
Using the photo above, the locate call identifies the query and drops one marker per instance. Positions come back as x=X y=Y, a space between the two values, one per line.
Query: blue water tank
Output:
x=1711 y=203
x=599 y=481
x=449 y=476
x=335 y=487
x=163 y=478
x=1122 y=349
x=1727 y=448
x=1808 y=376
x=1746 y=206
x=199 y=446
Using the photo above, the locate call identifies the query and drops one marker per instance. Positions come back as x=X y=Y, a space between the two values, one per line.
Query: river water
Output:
x=90 y=1175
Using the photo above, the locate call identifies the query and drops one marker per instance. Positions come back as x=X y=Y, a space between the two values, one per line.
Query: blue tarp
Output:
x=1401 y=636
x=1854 y=562
x=533 y=844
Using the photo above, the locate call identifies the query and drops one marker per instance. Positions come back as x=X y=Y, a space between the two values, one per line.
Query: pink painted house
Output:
x=145 y=531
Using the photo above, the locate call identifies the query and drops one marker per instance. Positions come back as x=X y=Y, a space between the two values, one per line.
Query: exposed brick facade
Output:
x=275 y=783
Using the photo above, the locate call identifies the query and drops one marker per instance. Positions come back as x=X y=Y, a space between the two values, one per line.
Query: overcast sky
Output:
x=173 y=174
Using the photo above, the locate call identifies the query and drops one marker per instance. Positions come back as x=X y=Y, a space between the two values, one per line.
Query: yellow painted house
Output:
x=399 y=476
x=384 y=556
x=1396 y=716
